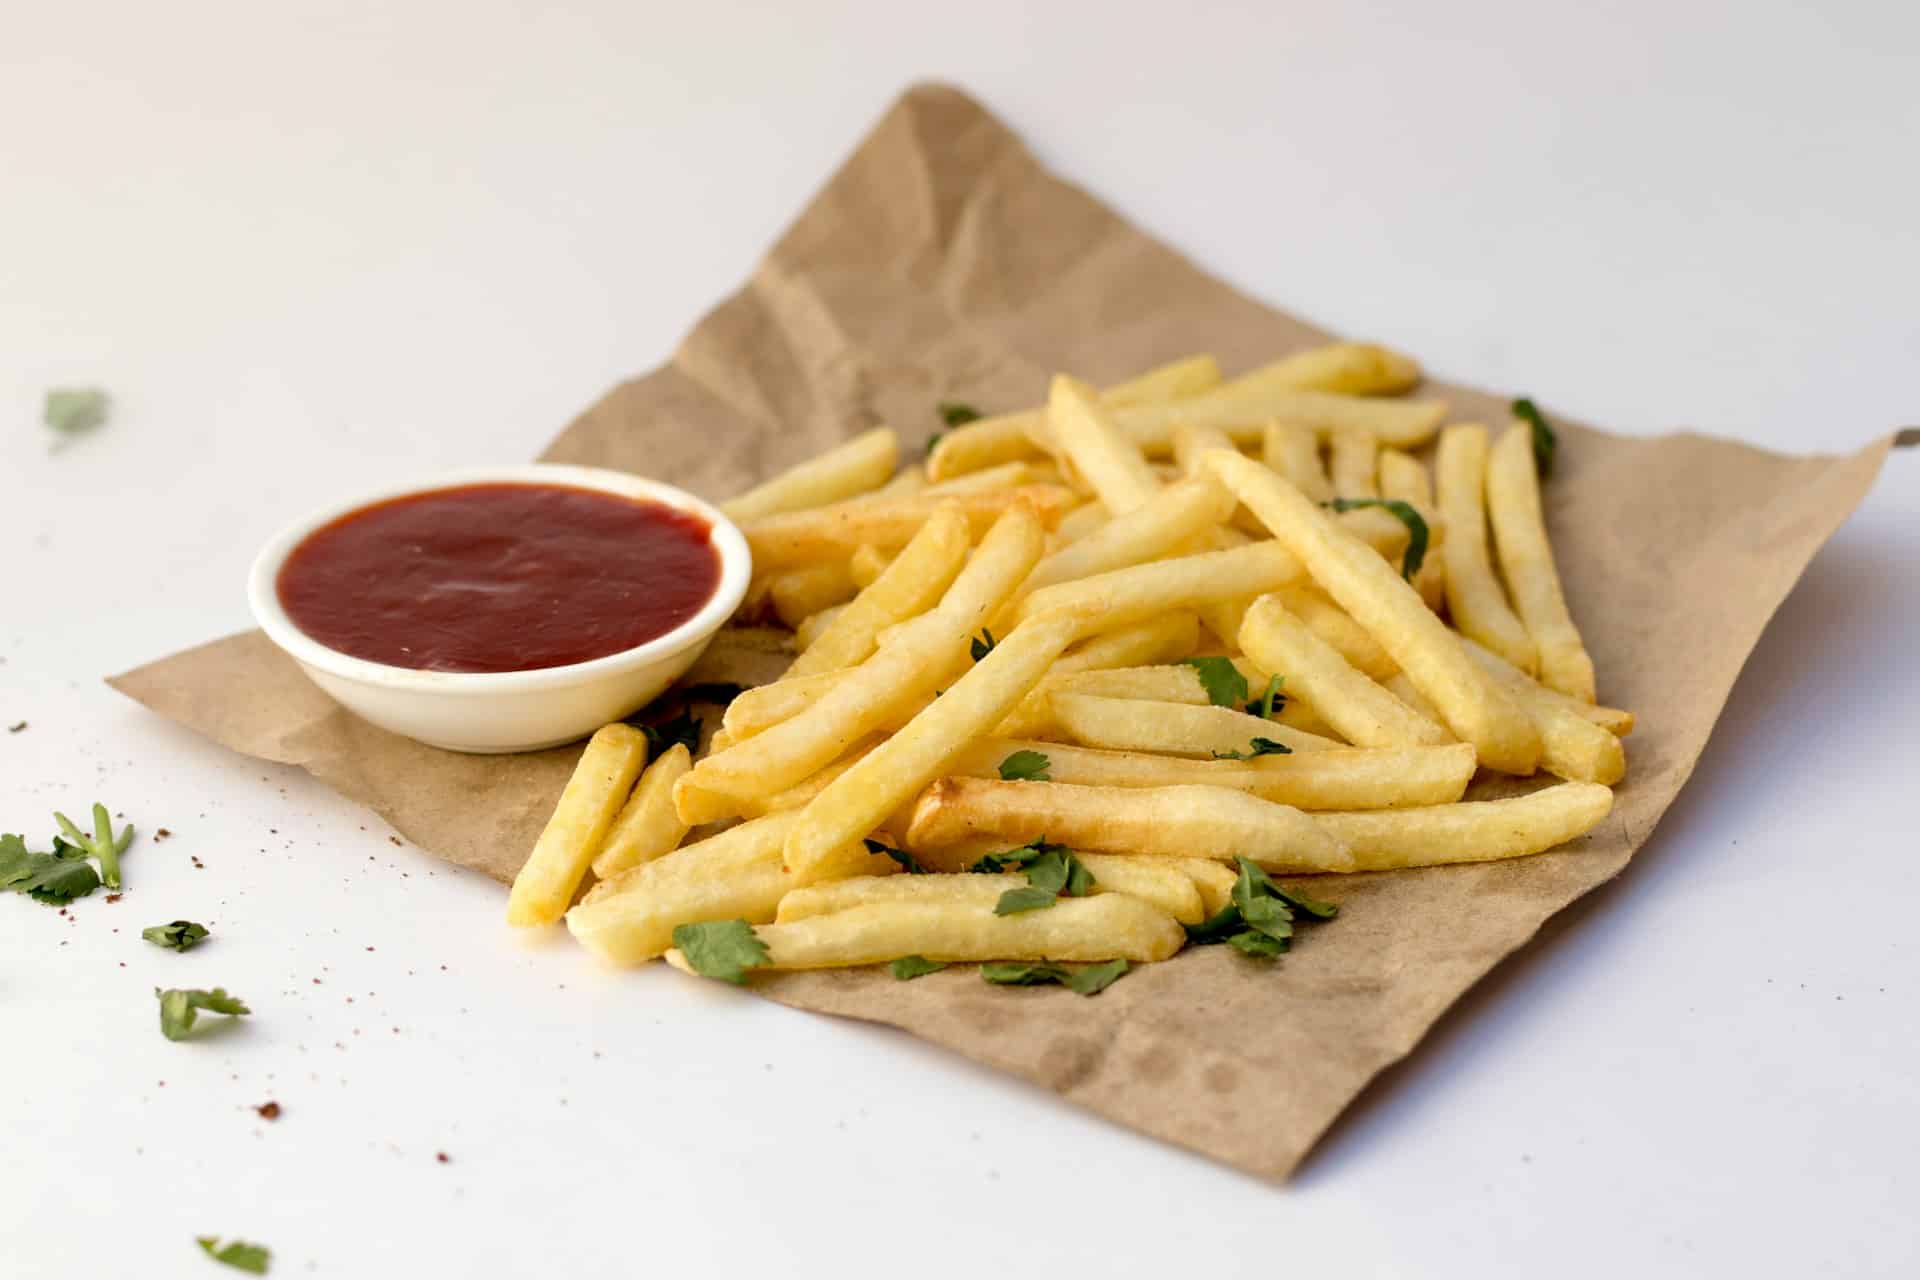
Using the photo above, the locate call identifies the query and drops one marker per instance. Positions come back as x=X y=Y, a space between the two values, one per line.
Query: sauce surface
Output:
x=499 y=577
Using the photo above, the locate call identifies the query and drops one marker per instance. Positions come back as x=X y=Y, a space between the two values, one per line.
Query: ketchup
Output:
x=499 y=577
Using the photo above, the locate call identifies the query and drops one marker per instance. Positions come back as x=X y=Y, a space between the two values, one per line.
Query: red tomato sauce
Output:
x=499 y=577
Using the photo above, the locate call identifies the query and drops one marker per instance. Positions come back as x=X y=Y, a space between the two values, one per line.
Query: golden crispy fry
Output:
x=1572 y=746
x=1107 y=926
x=1402 y=688
x=1388 y=778
x=1475 y=708
x=861 y=464
x=1077 y=524
x=1243 y=412
x=910 y=585
x=801 y=592
x=1351 y=368
x=1160 y=881
x=1170 y=728
x=1475 y=599
x=1145 y=590
x=1331 y=623
x=1155 y=880
x=647 y=826
x=1214 y=880
x=735 y=875
x=1353 y=463
x=1176 y=821
x=754 y=710
x=910 y=479
x=1180 y=684
x=588 y=806
x=855 y=803
x=1153 y=640
x=814 y=626
x=1082 y=433
x=868 y=563
x=801 y=537
x=697 y=806
x=1615 y=721
x=1190 y=442
x=1008 y=475
x=1526 y=558
x=1404 y=477
x=1294 y=452
x=1379 y=529
x=1358 y=709
x=1171 y=518
x=995 y=570
x=1476 y=831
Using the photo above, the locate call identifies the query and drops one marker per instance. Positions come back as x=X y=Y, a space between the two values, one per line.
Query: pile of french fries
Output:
x=1175 y=626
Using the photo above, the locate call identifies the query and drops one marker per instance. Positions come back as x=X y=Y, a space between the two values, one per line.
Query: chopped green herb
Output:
x=1259 y=920
x=1014 y=859
x=102 y=844
x=1257 y=747
x=1545 y=441
x=907 y=968
x=982 y=644
x=1091 y=980
x=1404 y=512
x=181 y=935
x=956 y=414
x=180 y=1006
x=683 y=728
x=1050 y=874
x=57 y=877
x=909 y=863
x=1263 y=706
x=18 y=726
x=723 y=949
x=71 y=410
x=238 y=1254
x=1222 y=680
x=933 y=442
x=1025 y=766
x=1088 y=980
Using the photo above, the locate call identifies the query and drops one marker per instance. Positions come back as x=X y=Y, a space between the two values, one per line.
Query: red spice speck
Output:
x=269 y=1110
x=395 y=841
x=162 y=834
x=113 y=897
x=441 y=1156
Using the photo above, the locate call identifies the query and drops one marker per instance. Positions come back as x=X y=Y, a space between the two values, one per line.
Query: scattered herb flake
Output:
x=181 y=935
x=909 y=863
x=1545 y=441
x=683 y=728
x=18 y=726
x=1259 y=920
x=102 y=844
x=723 y=949
x=1404 y=512
x=71 y=410
x=1025 y=766
x=982 y=645
x=180 y=1006
x=956 y=414
x=1014 y=859
x=1051 y=873
x=1222 y=680
x=907 y=968
x=1089 y=980
x=1257 y=747
x=238 y=1254
x=1263 y=706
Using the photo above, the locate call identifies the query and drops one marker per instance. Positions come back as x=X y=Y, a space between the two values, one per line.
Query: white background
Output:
x=314 y=246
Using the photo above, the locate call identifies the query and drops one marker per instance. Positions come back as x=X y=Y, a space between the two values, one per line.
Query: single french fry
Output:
x=588 y=806
x=867 y=563
x=1077 y=524
x=911 y=584
x=1353 y=464
x=813 y=626
x=1402 y=688
x=735 y=875
x=1160 y=881
x=1363 y=584
x=1475 y=831
x=1379 y=529
x=856 y=802
x=861 y=464
x=1161 y=638
x=1526 y=558
x=1350 y=368
x=1214 y=880
x=1572 y=746
x=1475 y=599
x=1403 y=477
x=910 y=479
x=800 y=537
x=647 y=827
x=1106 y=926
x=1171 y=728
x=996 y=568
x=1170 y=519
x=697 y=806
x=1387 y=778
x=1008 y=475
x=805 y=590
x=1175 y=821
x=1615 y=721
x=1294 y=452
x=1191 y=441
x=1331 y=623
x=1082 y=432
x=1156 y=880
x=1180 y=684
x=1358 y=709
x=1144 y=590
x=1244 y=411
x=755 y=710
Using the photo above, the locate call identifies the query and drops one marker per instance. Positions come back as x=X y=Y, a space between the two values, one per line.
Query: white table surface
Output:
x=313 y=245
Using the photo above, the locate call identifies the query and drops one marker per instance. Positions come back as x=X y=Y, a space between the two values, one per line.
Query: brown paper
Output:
x=943 y=263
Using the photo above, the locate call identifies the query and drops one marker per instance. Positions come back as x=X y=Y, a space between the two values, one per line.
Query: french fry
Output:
x=844 y=471
x=1526 y=558
x=996 y=568
x=813 y=626
x=1388 y=778
x=1157 y=880
x=1363 y=584
x=1179 y=684
x=1615 y=721
x=697 y=806
x=1402 y=688
x=1160 y=881
x=1160 y=638
x=755 y=710
x=1082 y=432
x=1077 y=524
x=1171 y=518
x=1171 y=728
x=735 y=875
x=1008 y=475
x=1476 y=831
x=588 y=806
x=1572 y=746
x=1379 y=529
x=1176 y=821
x=867 y=563
x=1353 y=464
x=1403 y=477
x=801 y=592
x=909 y=479
x=1351 y=368
x=1144 y=590
x=1475 y=599
x=1294 y=452
x=909 y=586
x=800 y=537
x=1358 y=709
x=1190 y=442
x=1243 y=412
x=1331 y=623
x=856 y=802
x=647 y=827
x=1107 y=926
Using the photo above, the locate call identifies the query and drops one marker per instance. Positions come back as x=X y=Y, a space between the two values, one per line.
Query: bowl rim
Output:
x=736 y=570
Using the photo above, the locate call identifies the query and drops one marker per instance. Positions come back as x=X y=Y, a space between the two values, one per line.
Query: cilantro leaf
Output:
x=1259 y=920
x=1403 y=511
x=1257 y=747
x=956 y=414
x=1025 y=766
x=71 y=410
x=1224 y=684
x=180 y=1006
x=1050 y=873
x=715 y=692
x=1258 y=945
x=1545 y=442
x=181 y=935
x=723 y=949
x=933 y=442
x=1013 y=859
x=907 y=968
x=238 y=1254
x=1022 y=973
x=1263 y=705
x=1092 y=979
x=909 y=863
x=60 y=880
x=982 y=645
x=683 y=728
x=1031 y=898
x=102 y=844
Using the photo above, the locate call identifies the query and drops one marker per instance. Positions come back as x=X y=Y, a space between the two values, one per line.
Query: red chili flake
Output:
x=161 y=834
x=441 y=1156
x=113 y=897
x=269 y=1110
x=395 y=841
x=369 y=948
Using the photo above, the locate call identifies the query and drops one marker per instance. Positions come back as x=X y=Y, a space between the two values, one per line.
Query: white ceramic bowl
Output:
x=508 y=710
